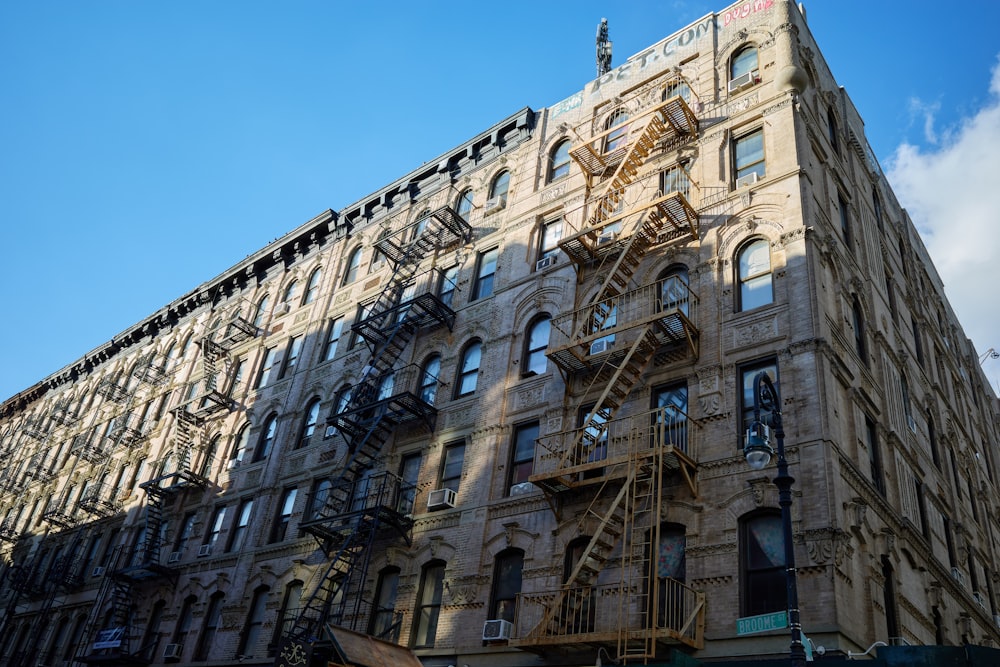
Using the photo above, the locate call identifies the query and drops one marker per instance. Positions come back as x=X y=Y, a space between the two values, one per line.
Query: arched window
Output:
x=670 y=420
x=754 y=277
x=429 y=379
x=266 y=438
x=536 y=341
x=258 y=318
x=312 y=287
x=463 y=205
x=290 y=291
x=255 y=621
x=499 y=186
x=318 y=497
x=468 y=369
x=506 y=583
x=184 y=621
x=423 y=218
x=209 y=458
x=290 y=606
x=210 y=627
x=762 y=564
x=617 y=123
x=428 y=604
x=340 y=402
x=559 y=161
x=353 y=264
x=241 y=445
x=744 y=62
x=383 y=619
x=309 y=425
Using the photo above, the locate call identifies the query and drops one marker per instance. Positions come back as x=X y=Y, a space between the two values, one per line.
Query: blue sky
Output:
x=147 y=147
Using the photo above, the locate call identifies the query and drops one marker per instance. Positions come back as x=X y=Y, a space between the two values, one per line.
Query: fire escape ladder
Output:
x=639 y=583
x=187 y=422
x=110 y=640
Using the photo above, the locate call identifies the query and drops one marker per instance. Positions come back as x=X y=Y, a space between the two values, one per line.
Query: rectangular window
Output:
x=748 y=152
x=333 y=337
x=451 y=467
x=284 y=516
x=270 y=355
x=238 y=372
x=762 y=565
x=238 y=537
x=747 y=375
x=522 y=457
x=486 y=269
x=292 y=358
x=215 y=527
x=874 y=455
x=428 y=606
x=409 y=474
x=187 y=529
x=364 y=312
x=845 y=219
x=449 y=281
x=548 y=245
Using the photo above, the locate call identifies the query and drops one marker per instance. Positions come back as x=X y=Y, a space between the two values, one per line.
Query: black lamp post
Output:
x=758 y=454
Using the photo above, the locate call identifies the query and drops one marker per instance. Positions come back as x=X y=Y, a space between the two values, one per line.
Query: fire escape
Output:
x=364 y=503
x=117 y=642
x=613 y=465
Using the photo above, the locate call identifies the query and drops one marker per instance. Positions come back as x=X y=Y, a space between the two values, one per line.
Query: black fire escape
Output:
x=365 y=503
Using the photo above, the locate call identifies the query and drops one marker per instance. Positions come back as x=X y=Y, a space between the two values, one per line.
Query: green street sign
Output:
x=762 y=623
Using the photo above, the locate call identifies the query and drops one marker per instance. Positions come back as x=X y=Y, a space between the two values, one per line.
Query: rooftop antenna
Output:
x=603 y=49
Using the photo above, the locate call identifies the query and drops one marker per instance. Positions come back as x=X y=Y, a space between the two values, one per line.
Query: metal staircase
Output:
x=361 y=505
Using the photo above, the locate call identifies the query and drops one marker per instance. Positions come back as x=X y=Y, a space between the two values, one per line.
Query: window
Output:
x=831 y=130
x=889 y=598
x=845 y=219
x=333 y=337
x=874 y=455
x=284 y=516
x=904 y=388
x=675 y=290
x=205 y=469
x=522 y=456
x=240 y=446
x=289 y=294
x=270 y=356
x=446 y=290
x=877 y=204
x=292 y=358
x=548 y=243
x=858 y=318
x=353 y=263
x=215 y=527
x=290 y=607
x=486 y=268
x=468 y=370
x=594 y=443
x=559 y=161
x=499 y=187
x=754 y=277
x=213 y=619
x=255 y=621
x=429 y=379
x=616 y=122
x=536 y=342
x=383 y=620
x=463 y=205
x=506 y=584
x=582 y=610
x=744 y=62
x=747 y=375
x=428 y=605
x=748 y=152
x=677 y=88
x=184 y=621
x=238 y=537
x=266 y=438
x=258 y=318
x=309 y=425
x=187 y=529
x=762 y=564
x=670 y=561
x=409 y=474
x=317 y=498
x=341 y=401
x=312 y=287
x=675 y=179
x=451 y=466
x=918 y=345
x=670 y=418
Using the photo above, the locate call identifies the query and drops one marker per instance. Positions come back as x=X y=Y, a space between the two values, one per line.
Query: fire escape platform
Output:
x=444 y=226
x=422 y=311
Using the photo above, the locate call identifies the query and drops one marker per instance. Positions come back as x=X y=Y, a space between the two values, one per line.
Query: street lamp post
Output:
x=758 y=454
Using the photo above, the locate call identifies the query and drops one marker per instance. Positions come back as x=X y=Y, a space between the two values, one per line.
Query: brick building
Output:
x=494 y=412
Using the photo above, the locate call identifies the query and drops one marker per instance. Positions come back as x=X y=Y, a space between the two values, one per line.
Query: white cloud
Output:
x=952 y=192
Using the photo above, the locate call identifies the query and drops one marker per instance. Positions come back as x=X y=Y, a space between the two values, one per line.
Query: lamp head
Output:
x=757 y=449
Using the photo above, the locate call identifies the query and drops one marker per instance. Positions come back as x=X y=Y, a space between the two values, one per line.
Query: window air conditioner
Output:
x=742 y=82
x=97 y=571
x=545 y=262
x=495 y=204
x=496 y=630
x=599 y=346
x=282 y=308
x=205 y=550
x=440 y=499
x=749 y=179
x=172 y=652
x=233 y=464
x=174 y=557
x=520 y=489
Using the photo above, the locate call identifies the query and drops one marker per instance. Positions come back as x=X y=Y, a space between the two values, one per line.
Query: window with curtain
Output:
x=522 y=456
x=670 y=563
x=288 y=296
x=762 y=564
x=500 y=186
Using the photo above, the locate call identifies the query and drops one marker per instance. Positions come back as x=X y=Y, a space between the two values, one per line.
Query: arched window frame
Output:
x=468 y=368
x=428 y=607
x=499 y=187
x=352 y=267
x=559 y=161
x=383 y=617
x=240 y=445
x=617 y=123
x=312 y=286
x=745 y=60
x=261 y=312
x=536 y=342
x=464 y=204
x=309 y=422
x=507 y=578
x=267 y=436
x=429 y=374
x=288 y=296
x=755 y=286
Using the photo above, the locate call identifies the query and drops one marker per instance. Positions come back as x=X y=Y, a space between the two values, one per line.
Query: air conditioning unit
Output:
x=205 y=550
x=749 y=179
x=600 y=346
x=172 y=652
x=742 y=82
x=233 y=464
x=282 y=308
x=957 y=575
x=497 y=630
x=607 y=237
x=495 y=204
x=521 y=489
x=97 y=571
x=174 y=557
x=545 y=262
x=440 y=499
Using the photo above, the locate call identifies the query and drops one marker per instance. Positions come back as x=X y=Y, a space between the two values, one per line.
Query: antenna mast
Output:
x=603 y=49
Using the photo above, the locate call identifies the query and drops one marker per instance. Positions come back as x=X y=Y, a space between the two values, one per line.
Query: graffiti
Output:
x=745 y=10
